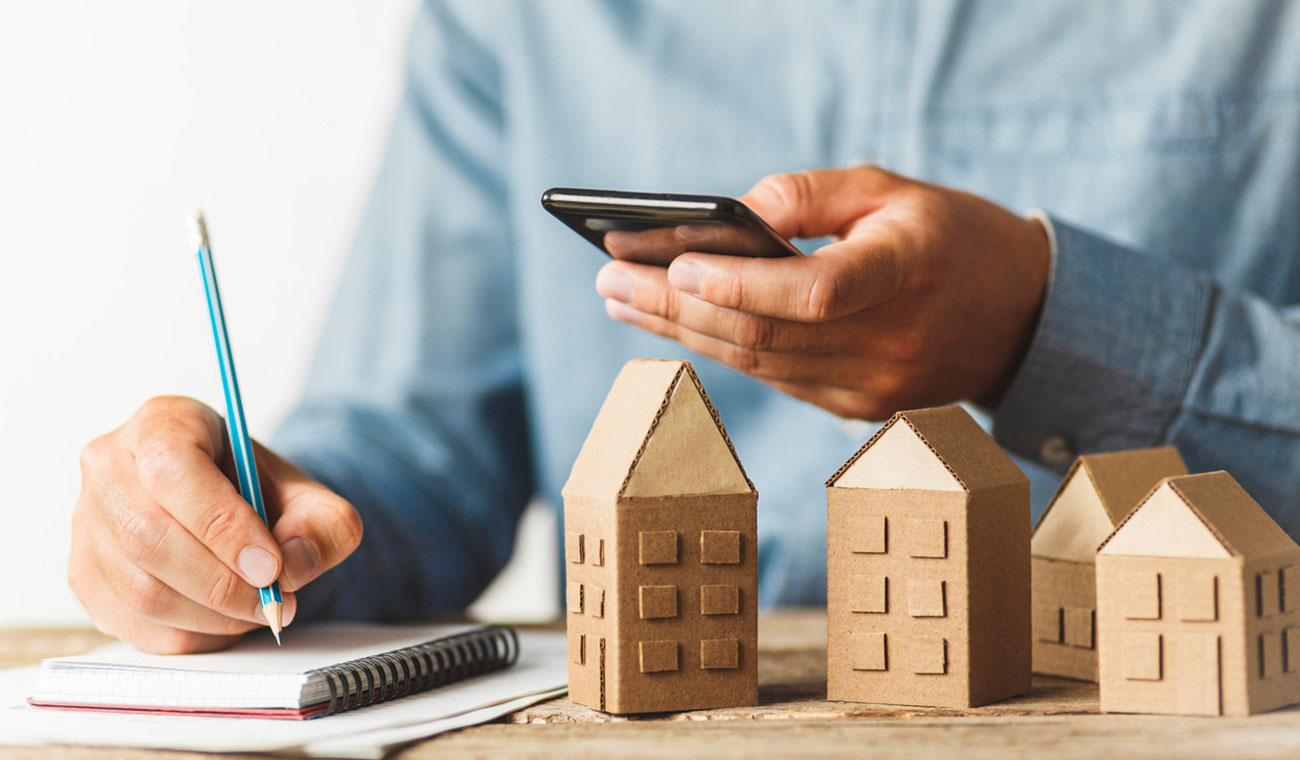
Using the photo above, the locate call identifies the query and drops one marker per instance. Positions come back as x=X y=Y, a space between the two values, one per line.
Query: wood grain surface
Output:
x=1057 y=718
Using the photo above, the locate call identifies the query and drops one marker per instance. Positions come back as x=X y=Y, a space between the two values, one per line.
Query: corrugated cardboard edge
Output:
x=1183 y=498
x=830 y=483
x=689 y=371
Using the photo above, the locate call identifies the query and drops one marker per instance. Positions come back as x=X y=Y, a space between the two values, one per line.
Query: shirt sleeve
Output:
x=1133 y=350
x=414 y=409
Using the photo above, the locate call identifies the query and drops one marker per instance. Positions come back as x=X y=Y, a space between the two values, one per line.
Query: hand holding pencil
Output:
x=168 y=555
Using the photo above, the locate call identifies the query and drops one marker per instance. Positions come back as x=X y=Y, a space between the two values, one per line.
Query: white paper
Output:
x=542 y=671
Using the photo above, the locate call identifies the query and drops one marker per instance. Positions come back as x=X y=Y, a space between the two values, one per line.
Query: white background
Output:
x=116 y=119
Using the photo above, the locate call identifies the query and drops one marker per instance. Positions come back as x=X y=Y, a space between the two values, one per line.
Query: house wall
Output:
x=1271 y=588
x=897 y=597
x=1064 y=618
x=1171 y=635
x=998 y=573
x=590 y=546
x=686 y=595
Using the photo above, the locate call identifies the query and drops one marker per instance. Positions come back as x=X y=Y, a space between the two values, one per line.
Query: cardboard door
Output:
x=1199 y=673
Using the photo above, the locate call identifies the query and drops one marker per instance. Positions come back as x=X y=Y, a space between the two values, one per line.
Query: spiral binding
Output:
x=381 y=677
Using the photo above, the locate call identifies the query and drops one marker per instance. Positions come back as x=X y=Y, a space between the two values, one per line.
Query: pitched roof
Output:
x=956 y=441
x=1228 y=514
x=657 y=434
x=1122 y=478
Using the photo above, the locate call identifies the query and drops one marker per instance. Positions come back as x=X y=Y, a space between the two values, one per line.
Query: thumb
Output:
x=316 y=528
x=819 y=202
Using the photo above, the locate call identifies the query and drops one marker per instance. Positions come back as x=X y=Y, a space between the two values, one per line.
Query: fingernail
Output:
x=612 y=283
x=622 y=312
x=257 y=565
x=684 y=276
x=301 y=560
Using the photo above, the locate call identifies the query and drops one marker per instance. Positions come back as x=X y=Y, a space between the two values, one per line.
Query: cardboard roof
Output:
x=1227 y=522
x=1096 y=495
x=950 y=438
x=657 y=434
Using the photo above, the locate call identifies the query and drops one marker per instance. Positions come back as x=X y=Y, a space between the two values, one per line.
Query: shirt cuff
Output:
x=1113 y=355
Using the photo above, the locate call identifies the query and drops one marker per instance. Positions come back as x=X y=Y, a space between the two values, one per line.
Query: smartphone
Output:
x=655 y=228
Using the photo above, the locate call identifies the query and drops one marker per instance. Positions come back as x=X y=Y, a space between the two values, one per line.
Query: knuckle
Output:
x=221 y=527
x=94 y=457
x=792 y=189
x=754 y=332
x=822 y=301
x=144 y=594
x=349 y=528
x=161 y=462
x=224 y=594
x=142 y=532
x=745 y=360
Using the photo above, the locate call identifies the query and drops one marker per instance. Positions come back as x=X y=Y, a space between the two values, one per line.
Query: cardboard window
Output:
x=929 y=655
x=1141 y=595
x=868 y=651
x=1270 y=654
x=573 y=547
x=598 y=556
x=658 y=656
x=719 y=654
x=868 y=593
x=658 y=547
x=578 y=649
x=1267 y=596
x=1049 y=624
x=720 y=600
x=1196 y=596
x=1080 y=627
x=658 y=602
x=1288 y=582
x=926 y=538
x=594 y=599
x=573 y=597
x=1142 y=654
x=720 y=547
x=869 y=534
x=1291 y=649
x=927 y=599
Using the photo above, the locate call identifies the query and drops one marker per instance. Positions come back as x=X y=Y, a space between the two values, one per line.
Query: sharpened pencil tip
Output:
x=198 y=231
x=273 y=612
x=276 y=634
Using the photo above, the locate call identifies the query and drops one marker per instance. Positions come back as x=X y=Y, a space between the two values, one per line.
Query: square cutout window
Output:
x=658 y=602
x=1049 y=624
x=929 y=655
x=1142 y=656
x=578 y=649
x=573 y=594
x=1196 y=596
x=868 y=593
x=1080 y=627
x=1291 y=649
x=1141 y=595
x=1268 y=596
x=1270 y=654
x=594 y=599
x=573 y=547
x=598 y=556
x=720 y=547
x=869 y=534
x=658 y=656
x=927 y=599
x=658 y=547
x=719 y=654
x=868 y=651
x=926 y=538
x=1288 y=581
x=720 y=600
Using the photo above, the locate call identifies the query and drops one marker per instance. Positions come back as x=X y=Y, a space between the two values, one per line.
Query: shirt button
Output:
x=1056 y=449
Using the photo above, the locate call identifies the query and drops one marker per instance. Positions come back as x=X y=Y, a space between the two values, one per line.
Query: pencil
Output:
x=241 y=445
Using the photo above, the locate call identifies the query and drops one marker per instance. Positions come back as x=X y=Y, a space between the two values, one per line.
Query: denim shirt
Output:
x=466 y=352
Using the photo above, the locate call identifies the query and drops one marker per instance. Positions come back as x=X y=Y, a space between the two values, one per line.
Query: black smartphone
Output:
x=655 y=228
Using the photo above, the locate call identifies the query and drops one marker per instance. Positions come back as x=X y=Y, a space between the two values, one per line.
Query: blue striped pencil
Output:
x=241 y=445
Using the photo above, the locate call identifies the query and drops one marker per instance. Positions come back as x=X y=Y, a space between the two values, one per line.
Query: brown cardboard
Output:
x=665 y=519
x=1096 y=494
x=1191 y=591
x=928 y=567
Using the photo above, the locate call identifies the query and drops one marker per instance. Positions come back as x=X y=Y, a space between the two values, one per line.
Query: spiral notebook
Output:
x=320 y=671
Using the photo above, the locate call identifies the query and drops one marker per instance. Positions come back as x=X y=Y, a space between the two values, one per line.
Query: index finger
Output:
x=177 y=466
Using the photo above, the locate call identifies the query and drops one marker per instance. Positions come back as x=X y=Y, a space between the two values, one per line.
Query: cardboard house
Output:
x=1198 y=604
x=1097 y=493
x=661 y=552
x=928 y=567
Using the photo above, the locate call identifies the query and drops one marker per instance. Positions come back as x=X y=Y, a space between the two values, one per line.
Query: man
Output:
x=465 y=356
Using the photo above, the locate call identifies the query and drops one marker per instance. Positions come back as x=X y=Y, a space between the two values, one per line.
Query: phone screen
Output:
x=655 y=228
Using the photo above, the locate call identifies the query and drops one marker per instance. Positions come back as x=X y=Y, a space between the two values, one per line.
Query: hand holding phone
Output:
x=655 y=228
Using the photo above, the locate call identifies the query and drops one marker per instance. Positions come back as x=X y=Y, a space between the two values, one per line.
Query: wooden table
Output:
x=1056 y=720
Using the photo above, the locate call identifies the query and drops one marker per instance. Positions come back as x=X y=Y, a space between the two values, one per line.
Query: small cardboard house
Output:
x=661 y=552
x=1198 y=604
x=1097 y=493
x=928 y=567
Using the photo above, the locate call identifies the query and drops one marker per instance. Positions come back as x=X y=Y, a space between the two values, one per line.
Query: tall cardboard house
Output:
x=928 y=567
x=1097 y=493
x=661 y=552
x=1198 y=604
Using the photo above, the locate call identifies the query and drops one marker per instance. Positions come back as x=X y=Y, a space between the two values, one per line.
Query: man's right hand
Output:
x=165 y=552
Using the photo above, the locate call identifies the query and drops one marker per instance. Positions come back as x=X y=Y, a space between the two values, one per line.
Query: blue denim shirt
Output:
x=466 y=353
